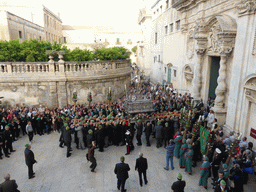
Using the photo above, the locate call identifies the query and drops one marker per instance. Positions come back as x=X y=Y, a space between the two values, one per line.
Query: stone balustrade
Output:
x=53 y=83
x=70 y=66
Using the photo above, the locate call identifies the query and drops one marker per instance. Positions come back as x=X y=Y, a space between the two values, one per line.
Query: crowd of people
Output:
x=102 y=124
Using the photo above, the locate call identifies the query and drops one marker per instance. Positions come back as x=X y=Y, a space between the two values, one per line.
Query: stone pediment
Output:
x=217 y=35
x=226 y=24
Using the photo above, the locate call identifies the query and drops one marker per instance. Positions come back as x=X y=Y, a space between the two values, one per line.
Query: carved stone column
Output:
x=197 y=84
x=222 y=86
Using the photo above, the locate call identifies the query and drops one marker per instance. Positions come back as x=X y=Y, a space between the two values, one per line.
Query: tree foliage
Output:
x=33 y=50
x=134 y=49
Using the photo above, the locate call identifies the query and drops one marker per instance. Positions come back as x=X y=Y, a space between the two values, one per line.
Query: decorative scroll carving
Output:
x=200 y=51
x=246 y=7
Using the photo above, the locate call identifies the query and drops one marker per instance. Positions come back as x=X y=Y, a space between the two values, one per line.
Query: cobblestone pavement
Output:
x=57 y=173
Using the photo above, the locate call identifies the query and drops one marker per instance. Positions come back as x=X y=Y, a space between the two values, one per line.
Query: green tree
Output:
x=33 y=50
x=134 y=49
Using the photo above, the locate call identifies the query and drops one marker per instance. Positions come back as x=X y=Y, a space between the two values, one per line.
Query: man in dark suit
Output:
x=121 y=171
x=30 y=161
x=8 y=185
x=178 y=186
x=142 y=166
x=139 y=128
x=67 y=139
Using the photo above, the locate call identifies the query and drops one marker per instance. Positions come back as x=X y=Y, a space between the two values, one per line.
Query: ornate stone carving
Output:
x=183 y=5
x=254 y=44
x=225 y=50
x=188 y=73
x=222 y=86
x=245 y=7
x=190 y=45
x=14 y=88
x=198 y=71
x=213 y=39
x=200 y=51
x=250 y=88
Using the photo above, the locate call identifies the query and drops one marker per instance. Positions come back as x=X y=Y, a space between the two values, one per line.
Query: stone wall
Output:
x=53 y=83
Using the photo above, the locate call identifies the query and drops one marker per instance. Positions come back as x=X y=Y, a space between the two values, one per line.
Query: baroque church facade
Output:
x=208 y=48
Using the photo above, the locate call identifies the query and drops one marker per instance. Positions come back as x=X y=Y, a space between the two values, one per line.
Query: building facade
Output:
x=167 y=45
x=15 y=27
x=212 y=51
x=99 y=36
x=143 y=46
x=52 y=26
x=33 y=21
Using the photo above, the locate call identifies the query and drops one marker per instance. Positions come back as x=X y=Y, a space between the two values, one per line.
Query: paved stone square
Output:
x=57 y=173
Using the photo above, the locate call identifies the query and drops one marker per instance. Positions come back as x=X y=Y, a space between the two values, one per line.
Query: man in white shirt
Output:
x=210 y=119
x=232 y=136
x=243 y=143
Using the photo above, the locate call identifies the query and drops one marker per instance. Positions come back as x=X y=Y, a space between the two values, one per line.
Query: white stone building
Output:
x=209 y=48
x=21 y=20
x=143 y=46
x=87 y=37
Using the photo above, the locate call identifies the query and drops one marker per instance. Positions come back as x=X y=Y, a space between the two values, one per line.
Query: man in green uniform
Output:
x=177 y=142
x=188 y=159
x=205 y=170
x=183 y=150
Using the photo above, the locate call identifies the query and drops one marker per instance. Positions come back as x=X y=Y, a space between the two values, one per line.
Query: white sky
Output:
x=120 y=14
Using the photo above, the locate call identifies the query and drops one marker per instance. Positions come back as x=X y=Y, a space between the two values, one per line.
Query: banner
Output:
x=204 y=133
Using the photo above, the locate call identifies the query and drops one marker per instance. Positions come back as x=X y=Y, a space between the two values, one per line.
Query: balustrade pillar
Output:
x=51 y=64
x=9 y=68
x=198 y=74
x=61 y=63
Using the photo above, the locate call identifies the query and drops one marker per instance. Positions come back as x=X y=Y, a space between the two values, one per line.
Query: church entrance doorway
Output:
x=214 y=74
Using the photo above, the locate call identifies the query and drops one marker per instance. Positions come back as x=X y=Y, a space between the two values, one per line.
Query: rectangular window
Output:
x=158 y=58
x=20 y=34
x=171 y=28
x=65 y=39
x=40 y=38
x=154 y=59
x=174 y=72
x=178 y=25
x=166 y=29
x=167 y=4
x=155 y=38
x=117 y=40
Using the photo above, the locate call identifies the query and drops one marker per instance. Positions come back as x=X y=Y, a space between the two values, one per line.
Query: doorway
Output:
x=214 y=74
x=169 y=75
